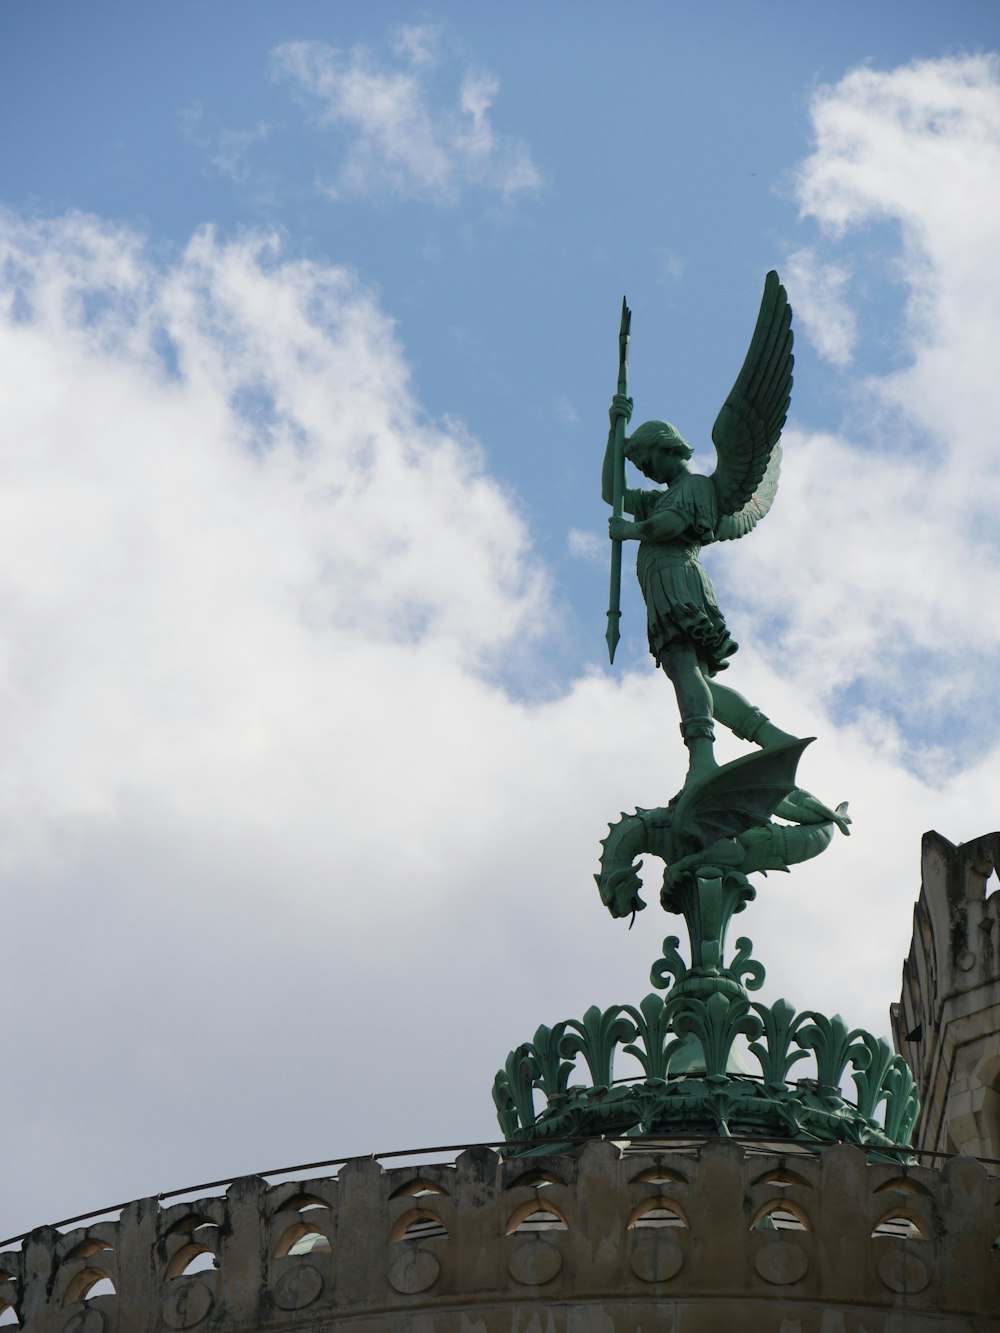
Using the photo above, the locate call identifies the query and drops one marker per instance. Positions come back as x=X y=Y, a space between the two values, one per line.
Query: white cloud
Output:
x=820 y=309
x=587 y=545
x=919 y=147
x=418 y=44
x=896 y=562
x=230 y=152
x=398 y=136
x=258 y=797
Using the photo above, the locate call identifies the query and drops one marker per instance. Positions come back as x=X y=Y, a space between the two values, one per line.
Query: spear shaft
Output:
x=618 y=492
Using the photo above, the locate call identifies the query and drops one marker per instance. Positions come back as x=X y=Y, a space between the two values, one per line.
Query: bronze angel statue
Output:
x=688 y=636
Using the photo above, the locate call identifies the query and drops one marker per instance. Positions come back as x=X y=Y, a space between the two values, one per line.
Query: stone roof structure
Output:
x=699 y=1239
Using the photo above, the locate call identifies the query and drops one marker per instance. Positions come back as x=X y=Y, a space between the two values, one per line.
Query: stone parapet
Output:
x=697 y=1239
x=947 y=1023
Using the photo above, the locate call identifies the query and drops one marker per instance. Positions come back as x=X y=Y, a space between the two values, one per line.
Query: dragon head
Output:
x=620 y=890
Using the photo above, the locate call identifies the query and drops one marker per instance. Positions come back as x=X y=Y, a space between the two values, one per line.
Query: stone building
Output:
x=947 y=1022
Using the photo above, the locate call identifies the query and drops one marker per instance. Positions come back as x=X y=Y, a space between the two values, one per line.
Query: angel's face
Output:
x=659 y=464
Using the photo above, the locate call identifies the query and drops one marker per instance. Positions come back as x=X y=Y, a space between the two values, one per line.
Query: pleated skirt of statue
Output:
x=681 y=608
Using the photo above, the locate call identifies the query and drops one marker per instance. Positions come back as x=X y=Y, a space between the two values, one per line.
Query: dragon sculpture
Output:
x=724 y=823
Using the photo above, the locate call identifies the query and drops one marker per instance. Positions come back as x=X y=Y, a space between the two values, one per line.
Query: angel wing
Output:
x=731 y=526
x=748 y=427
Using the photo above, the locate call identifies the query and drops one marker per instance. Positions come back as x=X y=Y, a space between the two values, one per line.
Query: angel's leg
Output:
x=694 y=703
x=743 y=720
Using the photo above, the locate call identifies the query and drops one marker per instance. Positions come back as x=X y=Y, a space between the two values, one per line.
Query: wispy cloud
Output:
x=229 y=152
x=894 y=525
x=586 y=545
x=397 y=133
x=821 y=308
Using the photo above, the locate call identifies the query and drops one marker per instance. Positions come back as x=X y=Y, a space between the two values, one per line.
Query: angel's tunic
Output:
x=681 y=608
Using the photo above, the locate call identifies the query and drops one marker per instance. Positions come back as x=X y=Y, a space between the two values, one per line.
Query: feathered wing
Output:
x=747 y=429
x=731 y=526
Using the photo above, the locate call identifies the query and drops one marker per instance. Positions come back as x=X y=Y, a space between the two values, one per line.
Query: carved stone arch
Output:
x=304 y=1203
x=659 y=1175
x=190 y=1245
x=88 y=1247
x=188 y=1260
x=416 y=1225
x=655 y=1212
x=782 y=1178
x=534 y=1179
x=781 y=1215
x=191 y=1222
x=904 y=1185
x=82 y=1285
x=418 y=1188
x=302 y=1238
x=899 y=1224
x=536 y=1215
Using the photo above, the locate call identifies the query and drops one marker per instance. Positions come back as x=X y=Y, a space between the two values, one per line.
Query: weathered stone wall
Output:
x=950 y=1003
x=691 y=1241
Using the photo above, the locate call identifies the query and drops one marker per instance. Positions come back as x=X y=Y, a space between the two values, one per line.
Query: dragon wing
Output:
x=739 y=796
x=748 y=427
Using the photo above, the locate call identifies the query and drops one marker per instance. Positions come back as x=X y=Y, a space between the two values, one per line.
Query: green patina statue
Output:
x=688 y=636
x=693 y=1049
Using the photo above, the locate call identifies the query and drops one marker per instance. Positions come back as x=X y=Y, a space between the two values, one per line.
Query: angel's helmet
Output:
x=652 y=436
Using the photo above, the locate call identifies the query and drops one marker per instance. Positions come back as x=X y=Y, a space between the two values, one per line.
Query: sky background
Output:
x=308 y=330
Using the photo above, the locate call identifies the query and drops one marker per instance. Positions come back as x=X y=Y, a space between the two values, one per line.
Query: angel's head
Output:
x=658 y=450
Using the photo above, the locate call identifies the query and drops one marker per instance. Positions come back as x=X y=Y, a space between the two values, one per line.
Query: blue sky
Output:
x=308 y=322
x=665 y=147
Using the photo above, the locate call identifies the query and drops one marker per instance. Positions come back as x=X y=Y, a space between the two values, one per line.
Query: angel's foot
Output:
x=745 y=721
x=758 y=728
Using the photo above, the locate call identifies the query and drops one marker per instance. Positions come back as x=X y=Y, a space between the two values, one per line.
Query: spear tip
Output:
x=612 y=634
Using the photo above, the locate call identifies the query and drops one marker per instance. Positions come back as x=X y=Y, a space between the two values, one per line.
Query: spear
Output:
x=618 y=493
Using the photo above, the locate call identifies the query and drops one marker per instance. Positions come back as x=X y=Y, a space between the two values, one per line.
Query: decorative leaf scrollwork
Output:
x=595 y=1039
x=507 y=1116
x=652 y=1022
x=902 y=1103
x=715 y=1023
x=833 y=1044
x=745 y=966
x=670 y=967
x=779 y=1023
x=872 y=1060
x=553 y=1071
x=520 y=1072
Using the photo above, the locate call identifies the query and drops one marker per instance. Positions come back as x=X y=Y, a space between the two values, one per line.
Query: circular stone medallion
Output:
x=187 y=1305
x=655 y=1258
x=413 y=1270
x=781 y=1263
x=86 y=1321
x=298 y=1287
x=903 y=1272
x=534 y=1263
